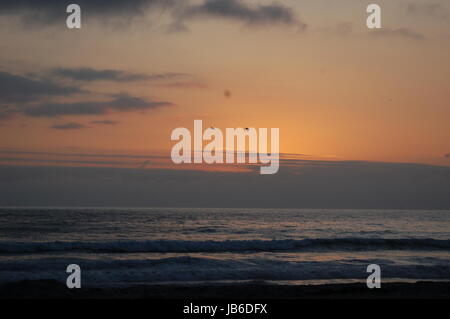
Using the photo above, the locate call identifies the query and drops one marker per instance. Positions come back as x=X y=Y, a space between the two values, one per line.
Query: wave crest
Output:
x=180 y=246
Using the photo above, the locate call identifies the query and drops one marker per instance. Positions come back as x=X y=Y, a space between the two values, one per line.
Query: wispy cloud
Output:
x=63 y=162
x=340 y=29
x=430 y=9
x=61 y=154
x=105 y=122
x=121 y=103
x=91 y=74
x=68 y=126
x=257 y=14
x=184 y=85
x=401 y=32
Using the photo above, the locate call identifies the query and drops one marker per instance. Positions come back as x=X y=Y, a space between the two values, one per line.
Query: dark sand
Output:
x=53 y=289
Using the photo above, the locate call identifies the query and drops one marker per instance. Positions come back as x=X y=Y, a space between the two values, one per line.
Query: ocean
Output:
x=129 y=246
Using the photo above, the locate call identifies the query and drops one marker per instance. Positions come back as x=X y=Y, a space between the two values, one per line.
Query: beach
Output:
x=49 y=289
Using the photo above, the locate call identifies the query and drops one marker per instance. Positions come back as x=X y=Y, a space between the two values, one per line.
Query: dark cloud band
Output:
x=54 y=11
x=90 y=74
x=121 y=103
x=34 y=98
x=69 y=126
x=48 y=12
x=241 y=11
x=16 y=88
x=318 y=186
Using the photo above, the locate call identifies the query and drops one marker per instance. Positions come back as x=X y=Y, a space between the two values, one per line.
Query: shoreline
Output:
x=52 y=289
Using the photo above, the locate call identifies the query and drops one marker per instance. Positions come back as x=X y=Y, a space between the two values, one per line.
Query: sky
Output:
x=369 y=109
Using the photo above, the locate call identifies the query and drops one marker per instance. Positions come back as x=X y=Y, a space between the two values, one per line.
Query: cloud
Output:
x=175 y=80
x=339 y=29
x=34 y=95
x=251 y=15
x=69 y=126
x=105 y=122
x=401 y=32
x=121 y=103
x=17 y=88
x=166 y=76
x=7 y=113
x=185 y=85
x=102 y=155
x=434 y=10
x=353 y=185
x=60 y=161
x=145 y=163
x=90 y=74
x=46 y=12
x=49 y=12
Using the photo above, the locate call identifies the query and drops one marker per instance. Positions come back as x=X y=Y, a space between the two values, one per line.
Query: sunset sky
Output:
x=138 y=69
